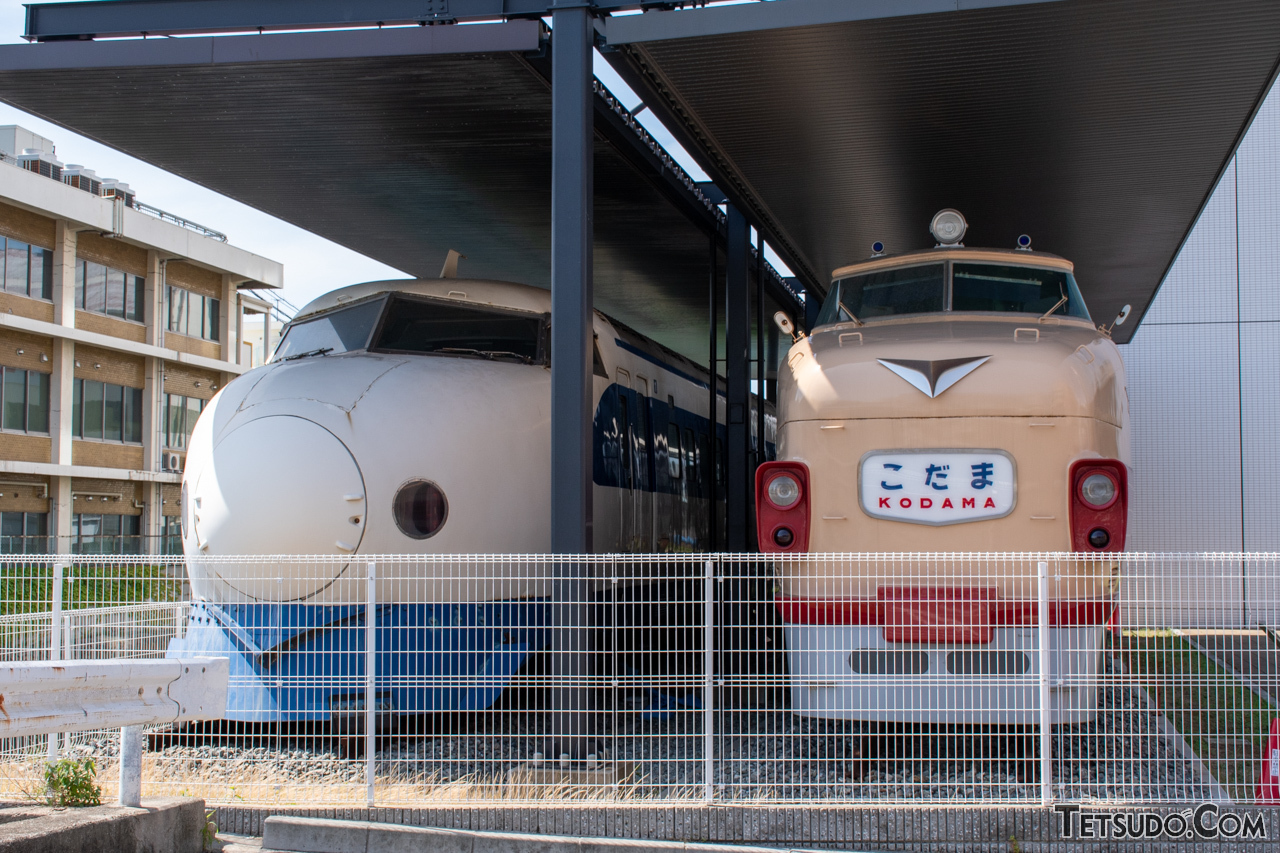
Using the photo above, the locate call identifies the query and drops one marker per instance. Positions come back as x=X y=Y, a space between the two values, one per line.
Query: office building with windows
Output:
x=118 y=321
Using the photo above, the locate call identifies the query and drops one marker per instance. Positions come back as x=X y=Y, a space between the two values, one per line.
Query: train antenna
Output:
x=450 y=268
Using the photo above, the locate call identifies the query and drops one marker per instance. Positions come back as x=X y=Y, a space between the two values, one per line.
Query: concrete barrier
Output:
x=319 y=835
x=160 y=826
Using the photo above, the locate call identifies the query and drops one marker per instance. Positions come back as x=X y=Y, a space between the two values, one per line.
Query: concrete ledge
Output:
x=319 y=835
x=160 y=826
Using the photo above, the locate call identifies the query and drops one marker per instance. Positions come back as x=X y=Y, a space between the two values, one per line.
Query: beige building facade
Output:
x=118 y=323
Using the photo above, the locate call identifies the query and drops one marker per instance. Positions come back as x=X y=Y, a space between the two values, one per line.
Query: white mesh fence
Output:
x=731 y=679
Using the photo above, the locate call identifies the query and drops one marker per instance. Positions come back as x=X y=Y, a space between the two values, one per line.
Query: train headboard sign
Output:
x=937 y=486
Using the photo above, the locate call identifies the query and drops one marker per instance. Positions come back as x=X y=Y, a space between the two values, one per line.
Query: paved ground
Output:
x=1251 y=654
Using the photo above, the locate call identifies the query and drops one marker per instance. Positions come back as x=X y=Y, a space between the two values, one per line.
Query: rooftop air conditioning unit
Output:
x=172 y=463
x=112 y=188
x=82 y=178
x=35 y=160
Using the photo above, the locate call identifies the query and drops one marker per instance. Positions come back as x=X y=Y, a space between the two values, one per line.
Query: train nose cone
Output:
x=276 y=485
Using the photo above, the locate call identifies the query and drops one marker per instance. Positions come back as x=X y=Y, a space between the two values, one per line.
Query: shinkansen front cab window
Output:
x=449 y=328
x=343 y=330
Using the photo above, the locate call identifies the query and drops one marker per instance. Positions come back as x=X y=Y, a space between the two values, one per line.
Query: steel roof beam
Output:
x=778 y=14
x=93 y=19
x=508 y=37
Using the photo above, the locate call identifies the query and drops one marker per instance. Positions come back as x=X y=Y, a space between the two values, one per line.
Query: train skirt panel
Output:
x=852 y=672
x=300 y=662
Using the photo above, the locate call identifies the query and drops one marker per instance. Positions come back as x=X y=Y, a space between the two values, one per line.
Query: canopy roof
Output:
x=1099 y=128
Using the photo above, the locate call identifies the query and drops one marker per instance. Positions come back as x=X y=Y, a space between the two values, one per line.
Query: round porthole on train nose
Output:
x=420 y=509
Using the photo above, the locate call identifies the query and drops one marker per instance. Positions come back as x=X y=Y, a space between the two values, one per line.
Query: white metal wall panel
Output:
x=1201 y=285
x=1184 y=406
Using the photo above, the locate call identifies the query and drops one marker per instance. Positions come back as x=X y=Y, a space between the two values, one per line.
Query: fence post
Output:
x=708 y=684
x=370 y=673
x=1046 y=743
x=55 y=641
x=131 y=766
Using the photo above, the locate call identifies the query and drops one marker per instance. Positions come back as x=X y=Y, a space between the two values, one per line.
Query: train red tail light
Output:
x=782 y=507
x=1099 y=504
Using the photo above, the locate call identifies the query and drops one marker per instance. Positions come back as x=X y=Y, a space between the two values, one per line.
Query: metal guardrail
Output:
x=44 y=697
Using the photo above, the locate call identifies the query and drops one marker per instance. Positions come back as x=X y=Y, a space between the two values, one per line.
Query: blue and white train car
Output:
x=414 y=417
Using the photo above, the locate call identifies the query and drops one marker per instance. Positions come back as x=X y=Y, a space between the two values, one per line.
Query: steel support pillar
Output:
x=737 y=338
x=571 y=342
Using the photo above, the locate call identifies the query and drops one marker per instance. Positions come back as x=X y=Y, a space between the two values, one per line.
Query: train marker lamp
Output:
x=782 y=507
x=948 y=227
x=1099 y=504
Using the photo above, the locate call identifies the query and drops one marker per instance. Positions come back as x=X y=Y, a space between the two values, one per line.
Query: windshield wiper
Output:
x=485 y=353
x=852 y=316
x=501 y=353
x=1056 y=306
x=320 y=351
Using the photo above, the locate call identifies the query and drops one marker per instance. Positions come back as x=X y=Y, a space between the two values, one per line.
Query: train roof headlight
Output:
x=948 y=227
x=783 y=491
x=1098 y=490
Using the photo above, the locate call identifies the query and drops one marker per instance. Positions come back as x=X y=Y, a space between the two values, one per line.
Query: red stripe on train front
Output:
x=882 y=612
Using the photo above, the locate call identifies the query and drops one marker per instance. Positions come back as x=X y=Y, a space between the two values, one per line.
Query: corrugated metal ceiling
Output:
x=400 y=158
x=1097 y=127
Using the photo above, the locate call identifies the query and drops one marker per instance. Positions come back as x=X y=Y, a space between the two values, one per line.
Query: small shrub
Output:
x=70 y=782
x=209 y=833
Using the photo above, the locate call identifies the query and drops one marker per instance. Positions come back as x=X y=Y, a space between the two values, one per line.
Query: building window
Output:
x=100 y=410
x=24 y=400
x=106 y=534
x=180 y=414
x=172 y=543
x=105 y=290
x=193 y=314
x=28 y=270
x=24 y=533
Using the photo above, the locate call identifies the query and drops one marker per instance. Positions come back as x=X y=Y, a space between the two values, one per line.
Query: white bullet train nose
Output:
x=275 y=485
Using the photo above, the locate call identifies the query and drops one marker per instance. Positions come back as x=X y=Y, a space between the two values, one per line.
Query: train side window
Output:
x=624 y=438
x=597 y=363
x=690 y=456
x=673 y=451
x=644 y=441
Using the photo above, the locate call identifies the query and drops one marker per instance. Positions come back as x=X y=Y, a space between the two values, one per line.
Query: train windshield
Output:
x=885 y=293
x=440 y=327
x=338 y=331
x=953 y=286
x=1021 y=290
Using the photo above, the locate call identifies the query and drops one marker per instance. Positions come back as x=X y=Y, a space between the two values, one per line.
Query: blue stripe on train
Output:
x=293 y=662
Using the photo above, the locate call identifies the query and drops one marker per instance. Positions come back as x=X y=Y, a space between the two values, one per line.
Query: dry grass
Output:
x=242 y=782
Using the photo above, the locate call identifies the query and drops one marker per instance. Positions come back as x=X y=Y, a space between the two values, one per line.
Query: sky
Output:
x=312 y=264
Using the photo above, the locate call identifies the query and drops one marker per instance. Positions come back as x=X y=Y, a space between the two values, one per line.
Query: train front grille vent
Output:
x=988 y=663
x=889 y=662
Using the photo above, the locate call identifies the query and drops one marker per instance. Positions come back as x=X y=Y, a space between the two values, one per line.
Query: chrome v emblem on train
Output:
x=934 y=377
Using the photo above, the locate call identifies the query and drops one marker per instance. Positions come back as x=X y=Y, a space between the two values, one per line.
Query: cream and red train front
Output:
x=949 y=401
